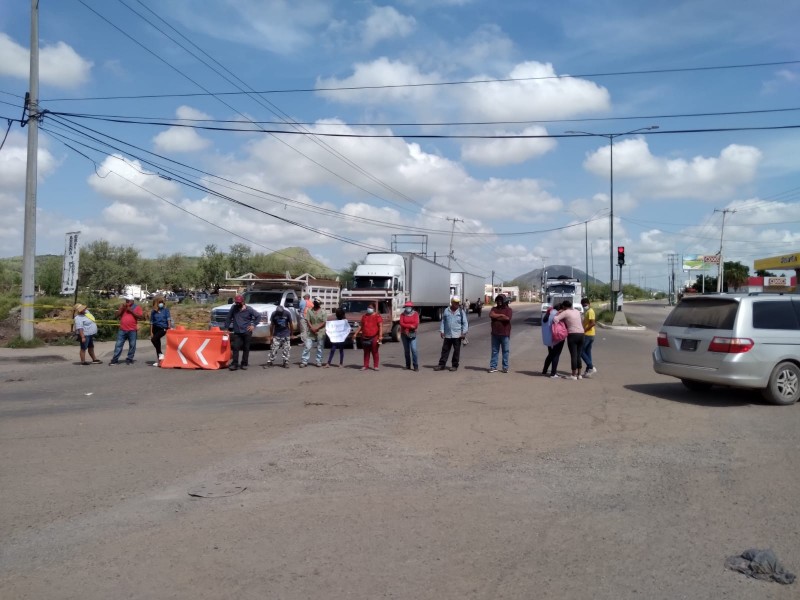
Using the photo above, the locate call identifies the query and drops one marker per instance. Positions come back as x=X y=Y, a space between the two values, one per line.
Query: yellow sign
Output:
x=787 y=261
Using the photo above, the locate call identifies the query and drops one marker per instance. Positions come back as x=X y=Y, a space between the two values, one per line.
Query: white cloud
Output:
x=123 y=214
x=183 y=139
x=127 y=180
x=512 y=151
x=385 y=23
x=59 y=64
x=704 y=178
x=14 y=160
x=189 y=113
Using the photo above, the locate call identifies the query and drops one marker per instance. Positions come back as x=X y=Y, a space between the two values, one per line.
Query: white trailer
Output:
x=468 y=287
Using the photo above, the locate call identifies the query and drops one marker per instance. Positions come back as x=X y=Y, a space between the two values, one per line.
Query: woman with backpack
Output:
x=574 y=323
x=553 y=348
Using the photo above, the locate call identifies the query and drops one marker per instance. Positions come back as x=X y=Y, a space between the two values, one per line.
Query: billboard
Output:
x=699 y=262
x=69 y=272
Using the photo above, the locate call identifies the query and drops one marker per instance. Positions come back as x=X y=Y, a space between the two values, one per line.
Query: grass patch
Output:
x=18 y=342
x=607 y=317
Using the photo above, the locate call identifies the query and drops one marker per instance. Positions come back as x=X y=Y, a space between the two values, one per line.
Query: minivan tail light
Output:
x=730 y=345
x=662 y=340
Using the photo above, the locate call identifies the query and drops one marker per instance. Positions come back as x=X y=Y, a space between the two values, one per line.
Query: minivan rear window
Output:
x=703 y=314
x=775 y=315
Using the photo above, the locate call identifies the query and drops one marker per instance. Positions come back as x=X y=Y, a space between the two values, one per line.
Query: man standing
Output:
x=129 y=315
x=500 y=316
x=241 y=321
x=588 y=337
x=280 y=330
x=86 y=329
x=315 y=318
x=453 y=329
x=302 y=309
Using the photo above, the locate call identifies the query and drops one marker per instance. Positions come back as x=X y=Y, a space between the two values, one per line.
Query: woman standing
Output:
x=371 y=331
x=553 y=349
x=160 y=321
x=340 y=316
x=574 y=323
x=409 y=322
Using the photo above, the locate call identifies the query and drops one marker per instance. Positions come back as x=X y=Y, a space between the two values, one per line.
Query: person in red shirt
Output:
x=409 y=322
x=371 y=331
x=129 y=315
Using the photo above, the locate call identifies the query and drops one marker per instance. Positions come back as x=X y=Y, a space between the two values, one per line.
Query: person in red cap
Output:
x=409 y=322
x=241 y=321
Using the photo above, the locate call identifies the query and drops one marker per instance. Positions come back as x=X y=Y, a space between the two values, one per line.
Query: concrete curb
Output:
x=623 y=327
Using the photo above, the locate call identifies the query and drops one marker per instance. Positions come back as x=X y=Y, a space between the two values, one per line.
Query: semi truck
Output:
x=265 y=292
x=561 y=288
x=389 y=280
x=469 y=288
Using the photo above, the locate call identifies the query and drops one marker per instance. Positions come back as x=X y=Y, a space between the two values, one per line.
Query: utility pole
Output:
x=29 y=230
x=720 y=267
x=452 y=232
x=672 y=259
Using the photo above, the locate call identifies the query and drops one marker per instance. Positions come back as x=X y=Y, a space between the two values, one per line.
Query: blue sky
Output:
x=349 y=194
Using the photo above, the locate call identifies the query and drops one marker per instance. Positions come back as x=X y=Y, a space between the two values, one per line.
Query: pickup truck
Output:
x=265 y=302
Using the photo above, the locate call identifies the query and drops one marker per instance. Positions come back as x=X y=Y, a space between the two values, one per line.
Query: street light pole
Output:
x=611 y=137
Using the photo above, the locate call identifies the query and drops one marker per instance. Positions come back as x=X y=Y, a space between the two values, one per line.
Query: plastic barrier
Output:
x=192 y=349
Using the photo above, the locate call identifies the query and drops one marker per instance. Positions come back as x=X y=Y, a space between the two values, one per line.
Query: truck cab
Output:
x=354 y=308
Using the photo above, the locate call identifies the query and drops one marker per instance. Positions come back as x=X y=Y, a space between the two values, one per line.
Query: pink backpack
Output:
x=559 y=331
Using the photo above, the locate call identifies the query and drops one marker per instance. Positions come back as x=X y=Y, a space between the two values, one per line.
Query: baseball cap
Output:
x=238 y=298
x=408 y=304
x=317 y=300
x=127 y=297
x=455 y=299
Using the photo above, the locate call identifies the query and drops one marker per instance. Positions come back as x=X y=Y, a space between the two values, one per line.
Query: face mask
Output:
x=160 y=305
x=409 y=310
x=370 y=311
x=238 y=305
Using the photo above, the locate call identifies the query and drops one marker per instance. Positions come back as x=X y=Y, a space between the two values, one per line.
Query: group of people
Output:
x=315 y=324
x=129 y=315
x=581 y=330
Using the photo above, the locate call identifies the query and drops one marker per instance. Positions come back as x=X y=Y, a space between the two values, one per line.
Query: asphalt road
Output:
x=135 y=482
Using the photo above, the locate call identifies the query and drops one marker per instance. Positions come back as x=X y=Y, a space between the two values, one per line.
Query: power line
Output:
x=441 y=83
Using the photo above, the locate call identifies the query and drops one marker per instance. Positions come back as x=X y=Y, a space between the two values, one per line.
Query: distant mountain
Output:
x=296 y=260
x=532 y=280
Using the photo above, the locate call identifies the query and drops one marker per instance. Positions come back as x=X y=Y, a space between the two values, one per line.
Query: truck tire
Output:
x=396 y=332
x=784 y=384
x=437 y=314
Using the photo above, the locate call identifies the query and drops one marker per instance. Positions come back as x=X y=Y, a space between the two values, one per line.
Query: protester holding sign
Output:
x=337 y=331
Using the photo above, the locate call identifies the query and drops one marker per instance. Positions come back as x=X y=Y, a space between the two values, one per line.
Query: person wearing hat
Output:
x=160 y=322
x=129 y=315
x=241 y=321
x=409 y=322
x=453 y=329
x=85 y=329
x=500 y=317
x=315 y=319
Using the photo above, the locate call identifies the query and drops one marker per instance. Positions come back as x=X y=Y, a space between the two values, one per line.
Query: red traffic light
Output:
x=620 y=255
x=620 y=249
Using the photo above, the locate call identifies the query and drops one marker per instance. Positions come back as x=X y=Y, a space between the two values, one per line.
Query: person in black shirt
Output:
x=241 y=321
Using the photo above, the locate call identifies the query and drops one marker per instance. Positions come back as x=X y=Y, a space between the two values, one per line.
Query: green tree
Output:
x=107 y=267
x=765 y=273
x=48 y=274
x=239 y=259
x=211 y=270
x=735 y=275
x=346 y=274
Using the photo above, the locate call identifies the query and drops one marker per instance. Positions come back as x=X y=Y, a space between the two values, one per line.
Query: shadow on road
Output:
x=715 y=397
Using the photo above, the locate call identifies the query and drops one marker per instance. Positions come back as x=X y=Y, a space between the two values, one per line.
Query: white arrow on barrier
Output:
x=200 y=352
x=180 y=347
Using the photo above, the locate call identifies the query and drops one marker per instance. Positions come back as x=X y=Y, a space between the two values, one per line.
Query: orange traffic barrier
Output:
x=192 y=349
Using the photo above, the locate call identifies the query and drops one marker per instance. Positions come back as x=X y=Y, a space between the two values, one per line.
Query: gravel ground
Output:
x=345 y=484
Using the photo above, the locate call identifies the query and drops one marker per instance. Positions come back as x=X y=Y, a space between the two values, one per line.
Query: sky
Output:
x=179 y=124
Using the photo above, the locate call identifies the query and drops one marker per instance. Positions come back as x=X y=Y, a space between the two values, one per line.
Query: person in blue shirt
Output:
x=453 y=329
x=160 y=322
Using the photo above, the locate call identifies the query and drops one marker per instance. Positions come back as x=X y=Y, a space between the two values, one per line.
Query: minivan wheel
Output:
x=784 y=384
x=696 y=386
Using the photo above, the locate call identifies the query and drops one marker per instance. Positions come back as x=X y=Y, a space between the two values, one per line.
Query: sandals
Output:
x=97 y=362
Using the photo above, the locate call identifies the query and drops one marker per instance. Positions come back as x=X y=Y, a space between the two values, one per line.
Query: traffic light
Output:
x=620 y=255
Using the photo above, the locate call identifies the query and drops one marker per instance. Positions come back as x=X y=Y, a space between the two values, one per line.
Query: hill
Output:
x=297 y=261
x=532 y=280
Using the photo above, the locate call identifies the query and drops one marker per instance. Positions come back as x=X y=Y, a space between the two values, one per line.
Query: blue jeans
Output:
x=410 y=351
x=586 y=353
x=499 y=341
x=121 y=337
x=312 y=339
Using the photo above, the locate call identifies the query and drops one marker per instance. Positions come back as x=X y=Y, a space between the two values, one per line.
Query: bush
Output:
x=18 y=342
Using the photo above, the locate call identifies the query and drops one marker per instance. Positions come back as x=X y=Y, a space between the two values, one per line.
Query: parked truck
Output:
x=558 y=289
x=137 y=291
x=469 y=288
x=389 y=280
x=266 y=292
